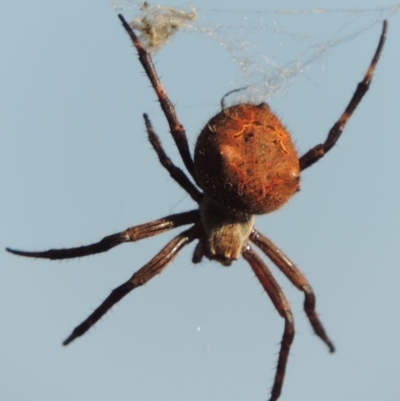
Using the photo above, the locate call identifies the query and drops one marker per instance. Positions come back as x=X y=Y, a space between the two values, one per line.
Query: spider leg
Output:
x=318 y=151
x=292 y=272
x=281 y=304
x=177 y=130
x=175 y=172
x=142 y=276
x=131 y=234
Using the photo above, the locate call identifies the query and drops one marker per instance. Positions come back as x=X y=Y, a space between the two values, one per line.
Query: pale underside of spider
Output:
x=245 y=163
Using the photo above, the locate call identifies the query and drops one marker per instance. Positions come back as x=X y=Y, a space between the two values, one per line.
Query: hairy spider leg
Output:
x=131 y=234
x=297 y=278
x=177 y=130
x=281 y=304
x=142 y=276
x=318 y=151
x=175 y=172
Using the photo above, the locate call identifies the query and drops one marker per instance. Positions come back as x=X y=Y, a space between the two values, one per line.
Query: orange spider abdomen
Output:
x=245 y=160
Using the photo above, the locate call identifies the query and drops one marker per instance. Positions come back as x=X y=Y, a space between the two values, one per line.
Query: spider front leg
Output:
x=177 y=130
x=318 y=151
x=281 y=304
x=175 y=172
x=142 y=276
x=291 y=271
x=132 y=234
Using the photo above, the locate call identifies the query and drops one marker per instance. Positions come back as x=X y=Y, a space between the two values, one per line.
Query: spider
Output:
x=245 y=163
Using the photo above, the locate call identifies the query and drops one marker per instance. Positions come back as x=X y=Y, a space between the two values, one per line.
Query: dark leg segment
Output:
x=175 y=172
x=142 y=276
x=281 y=304
x=177 y=130
x=130 y=235
x=318 y=151
x=291 y=271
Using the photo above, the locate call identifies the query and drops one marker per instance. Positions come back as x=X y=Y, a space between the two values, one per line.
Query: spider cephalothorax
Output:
x=246 y=164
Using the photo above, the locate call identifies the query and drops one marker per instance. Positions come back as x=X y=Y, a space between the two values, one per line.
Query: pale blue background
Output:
x=75 y=165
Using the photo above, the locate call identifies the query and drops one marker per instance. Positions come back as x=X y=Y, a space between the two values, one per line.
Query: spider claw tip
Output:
x=68 y=340
x=14 y=251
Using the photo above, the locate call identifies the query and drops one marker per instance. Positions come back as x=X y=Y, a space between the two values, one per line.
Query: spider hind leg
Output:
x=281 y=304
x=296 y=277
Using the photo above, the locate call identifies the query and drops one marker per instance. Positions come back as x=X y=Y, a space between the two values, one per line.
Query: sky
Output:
x=75 y=165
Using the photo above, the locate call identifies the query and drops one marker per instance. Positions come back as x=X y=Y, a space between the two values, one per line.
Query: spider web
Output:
x=268 y=52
